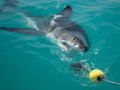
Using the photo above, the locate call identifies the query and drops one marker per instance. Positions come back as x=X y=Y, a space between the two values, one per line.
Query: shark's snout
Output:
x=85 y=49
x=82 y=47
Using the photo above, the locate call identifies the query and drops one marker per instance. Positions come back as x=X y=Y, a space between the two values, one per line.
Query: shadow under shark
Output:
x=68 y=34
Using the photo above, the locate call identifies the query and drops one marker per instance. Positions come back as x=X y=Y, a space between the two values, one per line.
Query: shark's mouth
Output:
x=65 y=45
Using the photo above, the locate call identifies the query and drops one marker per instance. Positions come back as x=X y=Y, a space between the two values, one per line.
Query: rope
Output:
x=111 y=82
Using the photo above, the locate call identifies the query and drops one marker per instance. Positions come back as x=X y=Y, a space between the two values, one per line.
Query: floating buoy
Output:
x=96 y=75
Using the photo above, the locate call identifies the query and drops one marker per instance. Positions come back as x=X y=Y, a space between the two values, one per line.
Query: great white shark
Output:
x=68 y=34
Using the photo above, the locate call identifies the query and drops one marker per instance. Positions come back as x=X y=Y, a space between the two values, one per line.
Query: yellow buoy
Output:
x=96 y=75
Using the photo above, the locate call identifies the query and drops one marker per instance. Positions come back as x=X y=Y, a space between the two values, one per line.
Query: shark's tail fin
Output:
x=23 y=30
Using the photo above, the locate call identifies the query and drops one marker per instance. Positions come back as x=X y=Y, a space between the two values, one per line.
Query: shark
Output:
x=68 y=34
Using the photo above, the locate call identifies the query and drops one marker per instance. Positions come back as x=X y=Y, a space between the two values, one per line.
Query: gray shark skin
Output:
x=69 y=35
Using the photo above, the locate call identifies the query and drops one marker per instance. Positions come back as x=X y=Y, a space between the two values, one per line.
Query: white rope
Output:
x=111 y=82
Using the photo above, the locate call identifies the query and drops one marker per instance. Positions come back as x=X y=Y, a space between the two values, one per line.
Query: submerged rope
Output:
x=111 y=82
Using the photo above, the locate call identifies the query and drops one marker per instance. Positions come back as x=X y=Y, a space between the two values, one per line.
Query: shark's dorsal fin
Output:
x=66 y=12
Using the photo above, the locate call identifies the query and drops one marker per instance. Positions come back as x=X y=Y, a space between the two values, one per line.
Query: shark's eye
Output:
x=74 y=38
x=75 y=43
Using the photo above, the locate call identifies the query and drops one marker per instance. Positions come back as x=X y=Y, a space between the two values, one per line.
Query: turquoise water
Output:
x=29 y=62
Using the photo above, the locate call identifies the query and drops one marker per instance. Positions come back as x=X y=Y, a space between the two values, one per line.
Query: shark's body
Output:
x=68 y=34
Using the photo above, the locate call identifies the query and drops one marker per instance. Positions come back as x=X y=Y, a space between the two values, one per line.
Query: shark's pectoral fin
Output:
x=23 y=30
x=66 y=12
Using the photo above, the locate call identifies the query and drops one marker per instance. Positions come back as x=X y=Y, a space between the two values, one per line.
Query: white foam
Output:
x=96 y=51
x=50 y=35
x=30 y=22
x=52 y=23
x=56 y=16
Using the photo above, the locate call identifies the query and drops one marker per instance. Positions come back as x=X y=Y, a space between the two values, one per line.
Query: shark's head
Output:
x=78 y=44
x=69 y=32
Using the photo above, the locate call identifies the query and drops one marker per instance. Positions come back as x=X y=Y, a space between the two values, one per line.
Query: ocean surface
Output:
x=30 y=62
